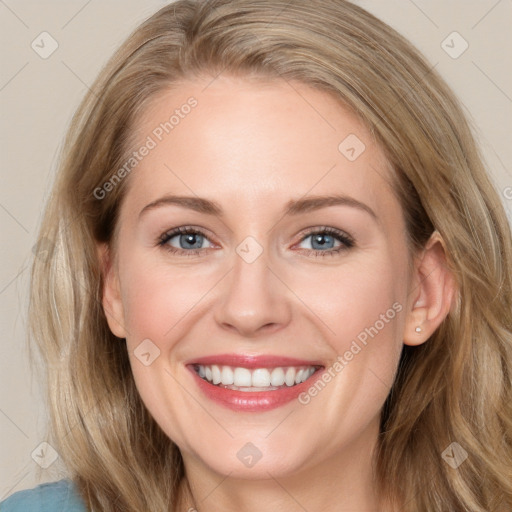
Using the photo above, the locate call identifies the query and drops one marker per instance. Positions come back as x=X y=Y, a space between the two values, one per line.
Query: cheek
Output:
x=362 y=308
x=367 y=295
x=156 y=298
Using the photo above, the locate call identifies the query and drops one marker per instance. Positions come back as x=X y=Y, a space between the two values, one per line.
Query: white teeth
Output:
x=289 y=378
x=277 y=377
x=244 y=379
x=215 y=374
x=226 y=377
x=261 y=378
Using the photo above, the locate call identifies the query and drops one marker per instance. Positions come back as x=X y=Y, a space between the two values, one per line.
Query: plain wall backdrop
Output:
x=40 y=90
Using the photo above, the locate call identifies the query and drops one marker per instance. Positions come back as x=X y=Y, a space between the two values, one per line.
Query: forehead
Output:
x=253 y=142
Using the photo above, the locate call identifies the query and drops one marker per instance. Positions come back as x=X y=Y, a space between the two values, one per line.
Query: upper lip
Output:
x=252 y=361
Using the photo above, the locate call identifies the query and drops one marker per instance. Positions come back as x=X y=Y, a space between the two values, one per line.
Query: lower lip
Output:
x=253 y=401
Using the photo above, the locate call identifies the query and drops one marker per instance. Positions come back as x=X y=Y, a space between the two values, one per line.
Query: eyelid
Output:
x=345 y=239
x=325 y=229
x=170 y=233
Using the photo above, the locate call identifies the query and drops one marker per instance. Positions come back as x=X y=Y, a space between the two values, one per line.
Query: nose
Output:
x=254 y=301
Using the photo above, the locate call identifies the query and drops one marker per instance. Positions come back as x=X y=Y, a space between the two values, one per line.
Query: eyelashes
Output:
x=321 y=236
x=185 y=232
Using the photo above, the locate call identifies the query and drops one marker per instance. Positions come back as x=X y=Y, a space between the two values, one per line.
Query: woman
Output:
x=280 y=275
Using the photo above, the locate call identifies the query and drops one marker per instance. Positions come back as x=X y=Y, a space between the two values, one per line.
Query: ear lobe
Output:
x=434 y=290
x=111 y=293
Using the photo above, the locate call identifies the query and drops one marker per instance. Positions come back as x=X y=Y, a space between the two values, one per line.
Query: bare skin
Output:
x=251 y=147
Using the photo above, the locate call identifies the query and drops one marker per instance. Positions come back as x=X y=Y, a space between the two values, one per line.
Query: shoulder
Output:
x=58 y=496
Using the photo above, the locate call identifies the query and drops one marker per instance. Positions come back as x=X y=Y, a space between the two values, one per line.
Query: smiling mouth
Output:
x=254 y=380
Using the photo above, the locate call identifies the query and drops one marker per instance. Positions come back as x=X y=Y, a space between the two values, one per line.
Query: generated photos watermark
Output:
x=355 y=347
x=157 y=135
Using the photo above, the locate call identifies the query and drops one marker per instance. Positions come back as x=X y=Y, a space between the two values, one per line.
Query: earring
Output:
x=418 y=329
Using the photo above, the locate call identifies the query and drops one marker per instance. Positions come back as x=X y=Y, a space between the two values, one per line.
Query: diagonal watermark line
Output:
x=386 y=179
x=193 y=306
x=14 y=76
x=8 y=492
x=14 y=423
x=13 y=13
x=281 y=422
x=200 y=404
x=412 y=89
x=76 y=14
x=474 y=233
x=81 y=285
x=492 y=81
x=216 y=487
x=73 y=277
x=378 y=378
x=213 y=79
x=219 y=73
x=424 y=13
x=327 y=122
x=84 y=415
x=304 y=195
x=170 y=170
x=80 y=79
x=13 y=218
x=12 y=280
x=287 y=492
x=406 y=505
x=279 y=13
x=301 y=300
x=423 y=280
x=485 y=15
x=95 y=299
x=500 y=160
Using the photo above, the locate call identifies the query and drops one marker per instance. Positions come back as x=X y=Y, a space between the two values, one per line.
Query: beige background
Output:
x=38 y=97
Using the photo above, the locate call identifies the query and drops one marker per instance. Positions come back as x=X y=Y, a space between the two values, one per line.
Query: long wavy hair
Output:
x=456 y=387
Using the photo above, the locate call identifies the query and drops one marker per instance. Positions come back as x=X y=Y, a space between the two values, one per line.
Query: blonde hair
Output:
x=454 y=388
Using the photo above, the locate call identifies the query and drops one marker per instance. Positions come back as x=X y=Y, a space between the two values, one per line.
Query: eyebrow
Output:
x=293 y=207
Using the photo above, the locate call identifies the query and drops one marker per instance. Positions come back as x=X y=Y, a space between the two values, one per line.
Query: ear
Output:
x=433 y=290
x=111 y=293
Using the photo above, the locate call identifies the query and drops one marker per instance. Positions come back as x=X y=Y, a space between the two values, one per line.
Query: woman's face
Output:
x=291 y=264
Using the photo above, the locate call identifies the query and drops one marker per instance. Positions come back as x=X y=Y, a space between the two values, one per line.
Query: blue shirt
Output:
x=58 y=496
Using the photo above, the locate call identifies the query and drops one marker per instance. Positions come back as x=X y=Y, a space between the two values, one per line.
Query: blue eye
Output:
x=323 y=241
x=188 y=241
